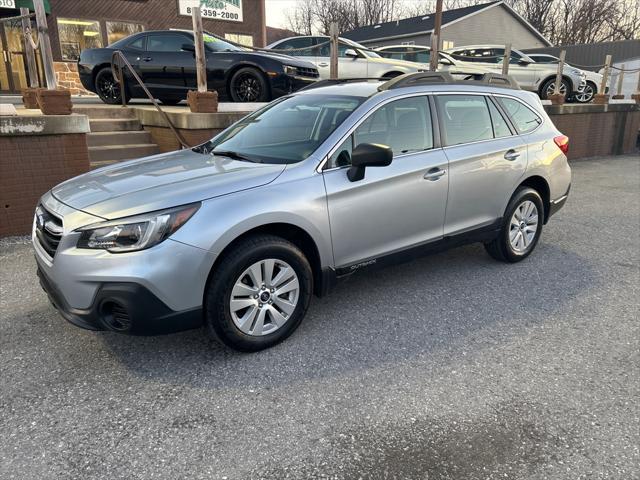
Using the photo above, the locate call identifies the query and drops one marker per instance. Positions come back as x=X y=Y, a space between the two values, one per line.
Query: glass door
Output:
x=13 y=71
x=6 y=80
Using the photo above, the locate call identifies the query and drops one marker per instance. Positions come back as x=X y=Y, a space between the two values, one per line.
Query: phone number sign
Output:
x=7 y=3
x=228 y=10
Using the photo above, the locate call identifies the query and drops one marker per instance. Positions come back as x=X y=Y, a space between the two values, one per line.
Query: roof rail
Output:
x=337 y=81
x=429 y=78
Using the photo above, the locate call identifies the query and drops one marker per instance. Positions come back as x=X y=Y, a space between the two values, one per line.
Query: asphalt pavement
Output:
x=453 y=366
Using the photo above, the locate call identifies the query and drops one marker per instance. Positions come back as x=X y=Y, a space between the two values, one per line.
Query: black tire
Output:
x=170 y=101
x=501 y=248
x=248 y=84
x=218 y=293
x=108 y=89
x=587 y=94
x=544 y=93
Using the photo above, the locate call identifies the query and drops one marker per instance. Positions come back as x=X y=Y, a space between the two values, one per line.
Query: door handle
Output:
x=323 y=64
x=511 y=155
x=147 y=59
x=434 y=174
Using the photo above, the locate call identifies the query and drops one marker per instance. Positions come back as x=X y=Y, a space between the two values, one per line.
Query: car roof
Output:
x=399 y=45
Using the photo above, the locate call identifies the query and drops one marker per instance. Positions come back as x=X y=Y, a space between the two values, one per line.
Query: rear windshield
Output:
x=286 y=131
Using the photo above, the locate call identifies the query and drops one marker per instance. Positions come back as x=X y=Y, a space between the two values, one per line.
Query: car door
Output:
x=524 y=73
x=393 y=207
x=486 y=160
x=348 y=66
x=166 y=68
x=134 y=51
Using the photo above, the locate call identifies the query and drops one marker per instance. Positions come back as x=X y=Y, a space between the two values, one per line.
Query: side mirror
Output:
x=368 y=155
x=350 y=52
x=188 y=47
x=523 y=62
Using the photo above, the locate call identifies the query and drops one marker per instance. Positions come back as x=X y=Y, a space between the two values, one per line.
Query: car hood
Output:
x=285 y=59
x=161 y=181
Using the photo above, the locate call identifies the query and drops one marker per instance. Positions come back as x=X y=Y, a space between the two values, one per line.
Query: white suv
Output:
x=532 y=76
x=354 y=60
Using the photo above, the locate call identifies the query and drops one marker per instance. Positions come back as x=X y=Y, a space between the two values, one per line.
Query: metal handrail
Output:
x=117 y=71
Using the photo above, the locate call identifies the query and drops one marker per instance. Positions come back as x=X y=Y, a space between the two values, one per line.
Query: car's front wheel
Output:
x=108 y=88
x=249 y=85
x=521 y=227
x=549 y=87
x=259 y=293
x=586 y=95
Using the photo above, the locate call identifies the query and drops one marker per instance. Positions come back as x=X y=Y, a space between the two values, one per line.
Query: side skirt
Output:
x=483 y=234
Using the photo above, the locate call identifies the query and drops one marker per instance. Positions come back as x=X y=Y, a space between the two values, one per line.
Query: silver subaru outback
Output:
x=238 y=233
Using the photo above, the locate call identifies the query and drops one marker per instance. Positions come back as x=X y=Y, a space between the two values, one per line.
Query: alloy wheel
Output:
x=108 y=87
x=523 y=226
x=551 y=88
x=248 y=88
x=585 y=95
x=264 y=297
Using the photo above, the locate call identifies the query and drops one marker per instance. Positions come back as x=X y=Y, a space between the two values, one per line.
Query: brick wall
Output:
x=167 y=142
x=602 y=133
x=68 y=78
x=29 y=167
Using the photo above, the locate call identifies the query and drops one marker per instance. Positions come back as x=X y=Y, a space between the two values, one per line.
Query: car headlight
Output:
x=289 y=70
x=135 y=233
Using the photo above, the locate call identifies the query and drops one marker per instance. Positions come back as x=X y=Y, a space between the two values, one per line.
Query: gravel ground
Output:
x=451 y=367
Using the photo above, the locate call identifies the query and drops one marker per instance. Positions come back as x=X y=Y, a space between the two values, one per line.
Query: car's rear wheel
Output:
x=248 y=85
x=521 y=227
x=548 y=88
x=586 y=95
x=258 y=294
x=108 y=88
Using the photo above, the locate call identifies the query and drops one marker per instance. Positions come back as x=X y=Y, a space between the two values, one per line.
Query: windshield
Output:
x=286 y=131
x=216 y=44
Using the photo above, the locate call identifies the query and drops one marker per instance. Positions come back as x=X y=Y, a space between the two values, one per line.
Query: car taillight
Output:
x=562 y=141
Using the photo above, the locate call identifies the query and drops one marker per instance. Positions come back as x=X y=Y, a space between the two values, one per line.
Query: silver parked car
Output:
x=354 y=60
x=239 y=232
x=593 y=79
x=530 y=75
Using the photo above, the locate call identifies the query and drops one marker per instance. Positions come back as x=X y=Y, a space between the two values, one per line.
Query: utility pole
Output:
x=435 y=40
x=45 y=44
x=201 y=60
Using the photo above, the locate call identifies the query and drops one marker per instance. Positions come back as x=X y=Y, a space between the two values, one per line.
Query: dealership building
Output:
x=75 y=25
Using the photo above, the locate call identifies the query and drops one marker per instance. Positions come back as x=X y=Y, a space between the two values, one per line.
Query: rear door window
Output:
x=297 y=43
x=464 y=118
x=500 y=125
x=524 y=119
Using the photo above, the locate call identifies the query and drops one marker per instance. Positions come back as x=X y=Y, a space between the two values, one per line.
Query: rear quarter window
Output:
x=524 y=119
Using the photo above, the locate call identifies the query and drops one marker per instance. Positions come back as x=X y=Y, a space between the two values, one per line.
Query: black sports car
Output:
x=165 y=61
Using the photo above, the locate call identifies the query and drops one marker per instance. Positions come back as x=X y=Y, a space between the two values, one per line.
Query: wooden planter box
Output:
x=600 y=99
x=54 y=102
x=202 y=102
x=636 y=97
x=30 y=98
x=556 y=98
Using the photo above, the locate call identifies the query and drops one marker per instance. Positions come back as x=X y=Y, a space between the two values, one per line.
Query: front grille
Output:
x=307 y=72
x=48 y=230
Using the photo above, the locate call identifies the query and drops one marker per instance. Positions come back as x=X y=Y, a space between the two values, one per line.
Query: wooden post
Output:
x=45 y=44
x=201 y=60
x=605 y=74
x=507 y=58
x=333 y=65
x=435 y=45
x=30 y=55
x=558 y=83
x=433 y=64
x=620 y=95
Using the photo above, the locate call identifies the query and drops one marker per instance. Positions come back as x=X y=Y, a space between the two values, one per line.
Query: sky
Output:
x=277 y=11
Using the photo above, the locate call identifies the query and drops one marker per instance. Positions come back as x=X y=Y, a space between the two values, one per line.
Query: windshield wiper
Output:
x=234 y=155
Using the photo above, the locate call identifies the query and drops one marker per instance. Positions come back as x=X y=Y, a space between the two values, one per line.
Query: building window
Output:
x=76 y=35
x=447 y=44
x=119 y=30
x=240 y=38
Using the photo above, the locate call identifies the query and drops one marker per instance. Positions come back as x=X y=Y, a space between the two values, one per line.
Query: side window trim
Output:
x=144 y=43
x=323 y=165
x=505 y=115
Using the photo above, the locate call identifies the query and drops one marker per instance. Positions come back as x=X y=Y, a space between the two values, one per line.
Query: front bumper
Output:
x=284 y=84
x=122 y=307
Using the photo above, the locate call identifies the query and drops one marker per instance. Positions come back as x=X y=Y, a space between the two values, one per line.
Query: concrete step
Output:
x=112 y=153
x=103 y=139
x=114 y=125
x=104 y=112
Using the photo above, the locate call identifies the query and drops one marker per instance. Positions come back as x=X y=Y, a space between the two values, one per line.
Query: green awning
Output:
x=29 y=4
